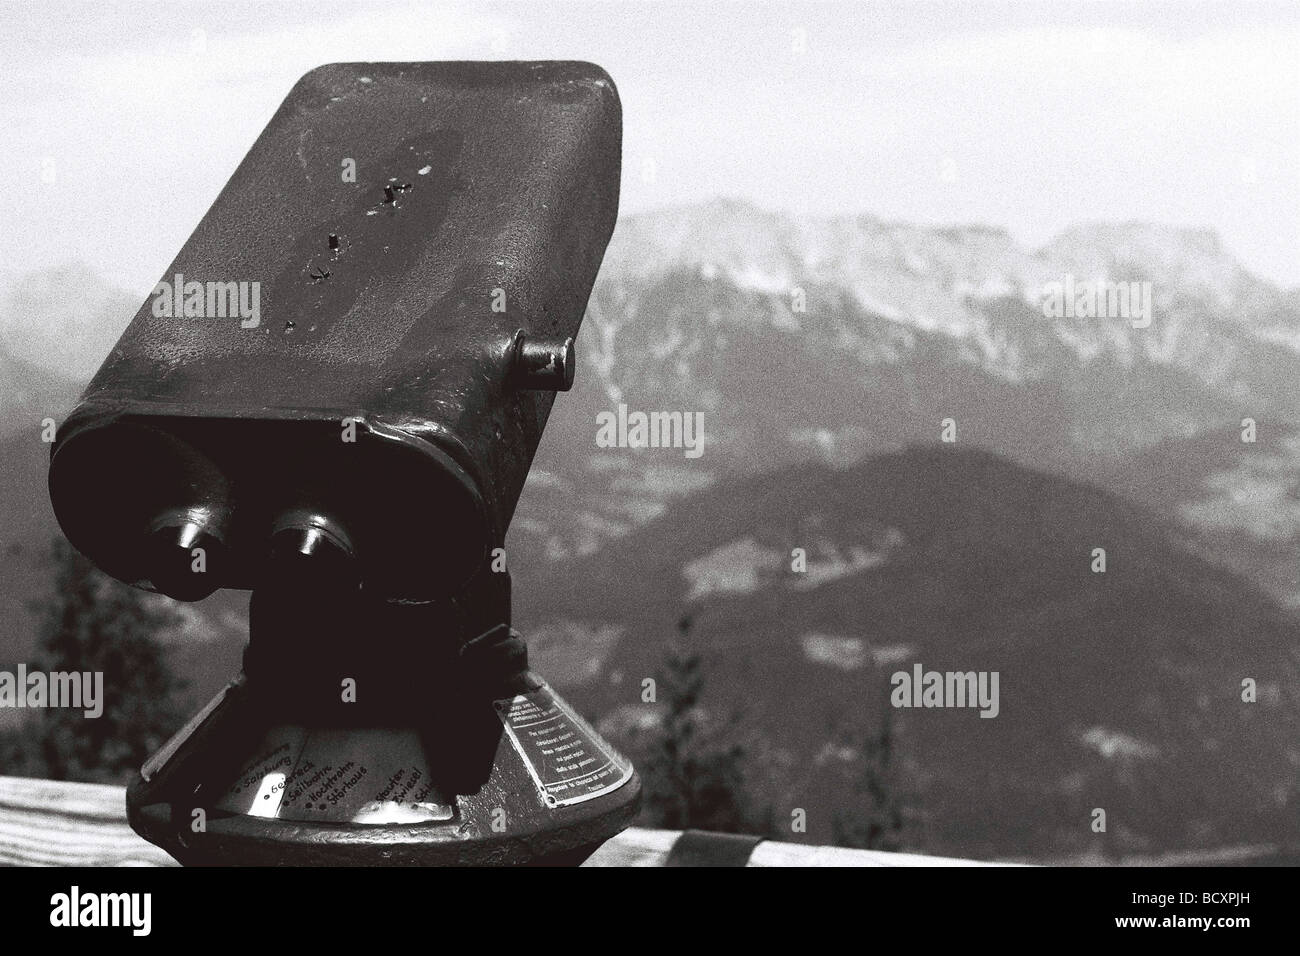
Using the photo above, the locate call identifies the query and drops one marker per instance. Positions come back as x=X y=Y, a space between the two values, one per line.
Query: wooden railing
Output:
x=53 y=823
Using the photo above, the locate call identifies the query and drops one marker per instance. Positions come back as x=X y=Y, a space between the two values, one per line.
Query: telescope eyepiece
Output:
x=185 y=553
x=310 y=550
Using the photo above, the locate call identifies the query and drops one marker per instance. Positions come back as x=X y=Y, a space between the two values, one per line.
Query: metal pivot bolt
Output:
x=543 y=363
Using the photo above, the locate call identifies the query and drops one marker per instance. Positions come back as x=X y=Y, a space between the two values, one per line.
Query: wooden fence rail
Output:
x=53 y=823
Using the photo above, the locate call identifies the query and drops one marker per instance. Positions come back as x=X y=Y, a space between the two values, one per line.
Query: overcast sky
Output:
x=1031 y=117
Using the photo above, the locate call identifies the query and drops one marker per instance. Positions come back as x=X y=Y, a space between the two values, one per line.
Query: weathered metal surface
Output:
x=418 y=675
x=351 y=445
x=484 y=196
x=499 y=819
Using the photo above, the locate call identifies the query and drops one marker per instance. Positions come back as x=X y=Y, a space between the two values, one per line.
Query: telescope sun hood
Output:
x=352 y=359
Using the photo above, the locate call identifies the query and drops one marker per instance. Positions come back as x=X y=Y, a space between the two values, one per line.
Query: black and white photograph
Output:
x=850 y=435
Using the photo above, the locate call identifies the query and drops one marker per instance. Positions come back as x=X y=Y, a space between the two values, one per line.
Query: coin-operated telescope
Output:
x=332 y=399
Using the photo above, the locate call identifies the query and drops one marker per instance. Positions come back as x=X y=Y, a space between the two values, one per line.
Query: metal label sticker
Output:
x=564 y=756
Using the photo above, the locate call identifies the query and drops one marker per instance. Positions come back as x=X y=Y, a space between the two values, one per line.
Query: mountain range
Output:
x=1119 y=689
x=827 y=358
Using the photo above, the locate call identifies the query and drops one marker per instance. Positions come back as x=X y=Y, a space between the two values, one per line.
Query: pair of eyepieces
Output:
x=187 y=554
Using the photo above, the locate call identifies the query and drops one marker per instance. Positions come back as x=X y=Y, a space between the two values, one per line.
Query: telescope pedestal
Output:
x=369 y=733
